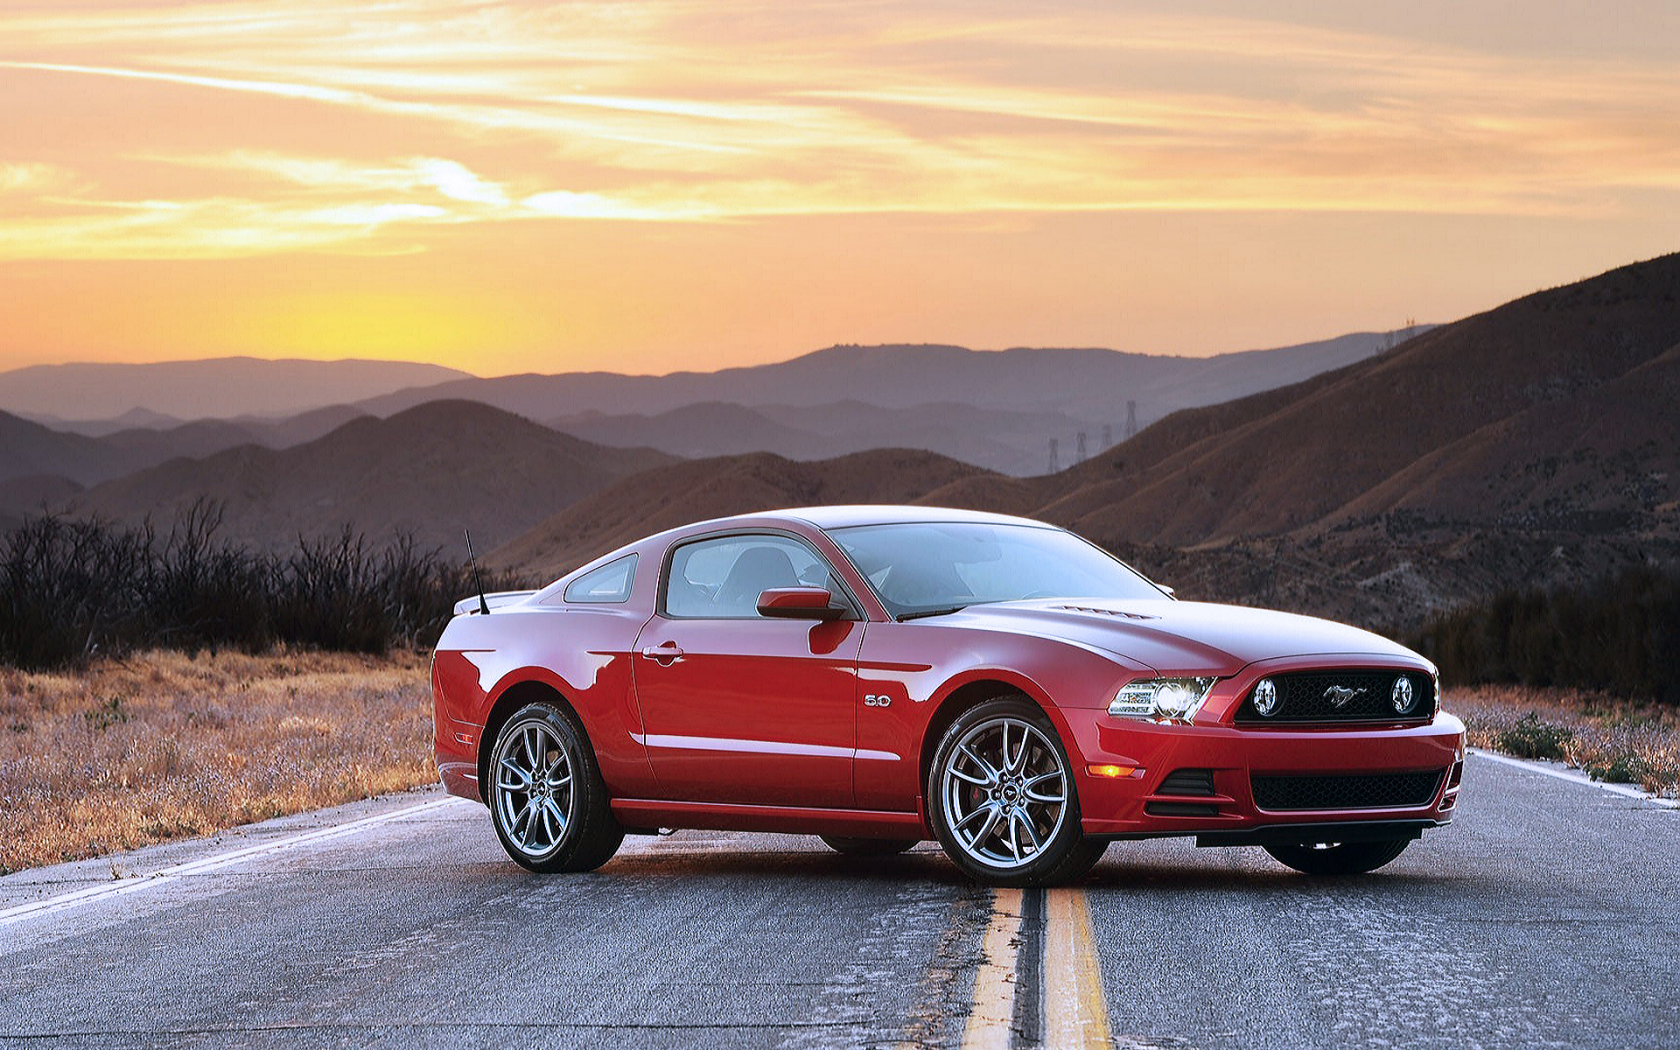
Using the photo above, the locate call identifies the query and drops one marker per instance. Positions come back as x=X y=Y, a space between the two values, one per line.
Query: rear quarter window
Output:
x=608 y=585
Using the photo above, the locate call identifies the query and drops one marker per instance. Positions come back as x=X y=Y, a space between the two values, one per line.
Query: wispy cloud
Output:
x=199 y=229
x=379 y=119
x=31 y=177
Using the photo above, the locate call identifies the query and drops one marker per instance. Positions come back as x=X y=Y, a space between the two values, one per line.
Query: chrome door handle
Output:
x=662 y=653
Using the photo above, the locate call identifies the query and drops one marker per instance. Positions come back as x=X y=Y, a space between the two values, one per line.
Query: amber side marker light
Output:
x=1112 y=771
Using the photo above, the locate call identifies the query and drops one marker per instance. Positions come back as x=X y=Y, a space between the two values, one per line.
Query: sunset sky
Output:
x=651 y=186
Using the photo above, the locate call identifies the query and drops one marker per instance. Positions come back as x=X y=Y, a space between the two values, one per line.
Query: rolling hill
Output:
x=677 y=493
x=997 y=439
x=1320 y=454
x=432 y=471
x=133 y=419
x=30 y=449
x=1539 y=441
x=24 y=496
x=697 y=431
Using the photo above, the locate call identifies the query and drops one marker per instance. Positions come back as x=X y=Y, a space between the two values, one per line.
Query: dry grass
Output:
x=162 y=745
x=1610 y=739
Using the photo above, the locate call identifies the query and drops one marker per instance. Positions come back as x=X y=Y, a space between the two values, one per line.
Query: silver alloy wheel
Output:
x=533 y=794
x=1005 y=792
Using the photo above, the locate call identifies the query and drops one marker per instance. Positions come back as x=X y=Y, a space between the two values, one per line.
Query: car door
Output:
x=739 y=708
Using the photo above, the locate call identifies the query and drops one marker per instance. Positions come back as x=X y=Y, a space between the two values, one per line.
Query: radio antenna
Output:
x=472 y=559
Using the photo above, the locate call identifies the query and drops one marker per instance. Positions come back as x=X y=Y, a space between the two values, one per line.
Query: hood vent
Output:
x=1107 y=612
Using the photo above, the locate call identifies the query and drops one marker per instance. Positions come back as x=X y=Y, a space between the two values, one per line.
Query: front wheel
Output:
x=1339 y=858
x=547 y=801
x=1001 y=798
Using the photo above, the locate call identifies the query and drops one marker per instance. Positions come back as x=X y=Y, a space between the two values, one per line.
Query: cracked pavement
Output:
x=1547 y=915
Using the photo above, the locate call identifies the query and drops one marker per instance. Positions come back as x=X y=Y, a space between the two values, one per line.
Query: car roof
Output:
x=839 y=517
x=831 y=517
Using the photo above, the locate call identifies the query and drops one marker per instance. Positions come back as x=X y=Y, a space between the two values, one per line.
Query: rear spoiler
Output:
x=469 y=606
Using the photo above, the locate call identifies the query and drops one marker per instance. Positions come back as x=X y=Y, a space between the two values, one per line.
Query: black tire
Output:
x=1339 y=858
x=867 y=847
x=980 y=782
x=548 y=824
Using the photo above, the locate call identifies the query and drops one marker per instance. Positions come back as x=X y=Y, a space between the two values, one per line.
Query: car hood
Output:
x=1175 y=637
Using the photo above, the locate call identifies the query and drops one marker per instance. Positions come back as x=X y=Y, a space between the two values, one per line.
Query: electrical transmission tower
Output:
x=1131 y=420
x=1055 y=465
x=1079 y=455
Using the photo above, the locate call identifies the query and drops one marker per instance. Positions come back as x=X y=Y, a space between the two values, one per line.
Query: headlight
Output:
x=1163 y=699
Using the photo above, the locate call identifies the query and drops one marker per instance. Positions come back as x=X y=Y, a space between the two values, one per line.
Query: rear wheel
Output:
x=1001 y=799
x=547 y=801
x=1339 y=858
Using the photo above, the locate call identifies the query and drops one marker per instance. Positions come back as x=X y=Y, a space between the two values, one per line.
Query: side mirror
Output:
x=1170 y=592
x=798 y=603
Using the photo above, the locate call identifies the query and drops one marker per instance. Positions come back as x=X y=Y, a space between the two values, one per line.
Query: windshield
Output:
x=921 y=568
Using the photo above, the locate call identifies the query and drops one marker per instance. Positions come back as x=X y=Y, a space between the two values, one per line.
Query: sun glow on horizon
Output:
x=652 y=184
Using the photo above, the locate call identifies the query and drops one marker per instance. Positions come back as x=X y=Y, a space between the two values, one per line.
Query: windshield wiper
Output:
x=945 y=611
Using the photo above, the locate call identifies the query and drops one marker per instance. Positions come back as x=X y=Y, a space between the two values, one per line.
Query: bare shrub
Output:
x=75 y=590
x=1620 y=635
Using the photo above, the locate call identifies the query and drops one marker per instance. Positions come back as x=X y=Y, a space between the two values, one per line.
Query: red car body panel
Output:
x=747 y=703
x=827 y=727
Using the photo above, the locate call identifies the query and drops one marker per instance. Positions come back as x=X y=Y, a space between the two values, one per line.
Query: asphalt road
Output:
x=1547 y=915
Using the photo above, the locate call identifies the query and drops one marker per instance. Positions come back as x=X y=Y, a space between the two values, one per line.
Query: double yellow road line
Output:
x=1040 y=983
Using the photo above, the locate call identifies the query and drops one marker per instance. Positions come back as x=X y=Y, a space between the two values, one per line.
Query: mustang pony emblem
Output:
x=1339 y=695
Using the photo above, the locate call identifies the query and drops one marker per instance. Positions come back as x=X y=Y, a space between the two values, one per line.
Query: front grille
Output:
x=1187 y=782
x=1374 y=791
x=1309 y=697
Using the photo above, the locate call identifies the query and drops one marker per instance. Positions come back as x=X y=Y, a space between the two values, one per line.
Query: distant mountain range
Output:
x=1091 y=385
x=1001 y=410
x=218 y=388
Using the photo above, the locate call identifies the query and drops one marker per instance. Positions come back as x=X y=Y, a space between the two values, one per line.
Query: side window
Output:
x=610 y=584
x=721 y=579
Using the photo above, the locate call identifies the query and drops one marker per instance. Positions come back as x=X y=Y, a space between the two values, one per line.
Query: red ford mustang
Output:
x=882 y=675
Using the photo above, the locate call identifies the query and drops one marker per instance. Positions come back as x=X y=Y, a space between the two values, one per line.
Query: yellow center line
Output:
x=989 y=1022
x=1075 y=1012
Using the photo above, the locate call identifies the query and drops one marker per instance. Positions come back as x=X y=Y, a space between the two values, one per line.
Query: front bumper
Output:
x=1143 y=805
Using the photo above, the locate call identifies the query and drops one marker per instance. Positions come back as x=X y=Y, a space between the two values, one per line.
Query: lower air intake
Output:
x=1187 y=782
x=1375 y=791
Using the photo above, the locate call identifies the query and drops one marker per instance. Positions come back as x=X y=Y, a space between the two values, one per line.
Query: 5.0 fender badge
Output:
x=876 y=700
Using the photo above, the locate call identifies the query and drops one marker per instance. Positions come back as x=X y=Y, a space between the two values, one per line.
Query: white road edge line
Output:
x=1573 y=777
x=77 y=898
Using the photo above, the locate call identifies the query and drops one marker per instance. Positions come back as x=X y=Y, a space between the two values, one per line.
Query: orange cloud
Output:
x=384 y=128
